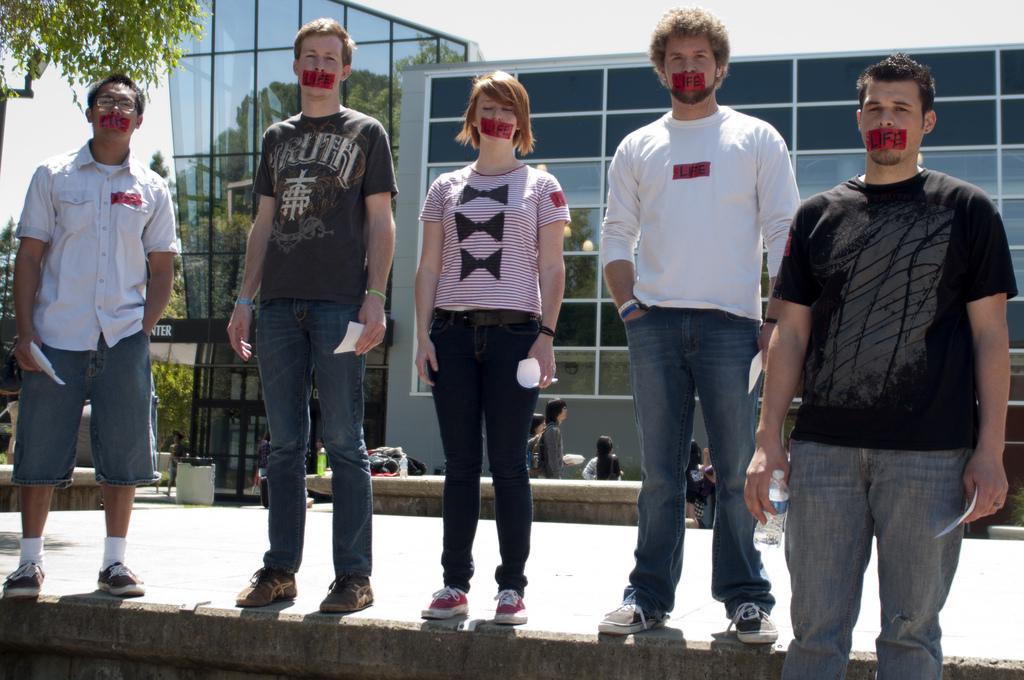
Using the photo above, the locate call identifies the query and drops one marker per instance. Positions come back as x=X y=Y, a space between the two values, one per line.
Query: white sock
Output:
x=32 y=550
x=113 y=550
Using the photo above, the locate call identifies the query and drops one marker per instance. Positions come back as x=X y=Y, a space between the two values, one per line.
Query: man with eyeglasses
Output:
x=92 y=277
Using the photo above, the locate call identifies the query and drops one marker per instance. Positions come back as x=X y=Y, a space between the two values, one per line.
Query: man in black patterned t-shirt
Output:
x=894 y=289
x=319 y=254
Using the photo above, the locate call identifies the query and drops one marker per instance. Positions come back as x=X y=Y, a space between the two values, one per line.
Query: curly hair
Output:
x=689 y=22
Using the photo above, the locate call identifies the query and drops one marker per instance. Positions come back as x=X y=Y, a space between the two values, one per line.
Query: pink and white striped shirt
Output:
x=490 y=225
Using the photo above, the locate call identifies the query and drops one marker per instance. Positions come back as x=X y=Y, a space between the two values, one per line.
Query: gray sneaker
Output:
x=630 y=618
x=25 y=582
x=119 y=580
x=753 y=625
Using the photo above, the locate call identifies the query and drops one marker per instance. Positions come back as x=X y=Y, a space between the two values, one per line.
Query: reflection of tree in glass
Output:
x=580 y=231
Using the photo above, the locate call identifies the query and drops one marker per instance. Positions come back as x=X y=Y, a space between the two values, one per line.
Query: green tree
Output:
x=8 y=250
x=174 y=388
x=158 y=165
x=88 y=39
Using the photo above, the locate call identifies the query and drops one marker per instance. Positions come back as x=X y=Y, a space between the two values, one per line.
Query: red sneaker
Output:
x=511 y=608
x=447 y=602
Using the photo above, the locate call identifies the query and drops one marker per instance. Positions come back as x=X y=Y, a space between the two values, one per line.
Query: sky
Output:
x=50 y=123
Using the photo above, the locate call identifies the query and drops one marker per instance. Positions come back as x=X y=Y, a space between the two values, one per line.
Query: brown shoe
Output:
x=119 y=580
x=268 y=585
x=348 y=593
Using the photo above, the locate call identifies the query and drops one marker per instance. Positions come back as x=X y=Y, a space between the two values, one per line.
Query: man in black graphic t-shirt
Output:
x=319 y=254
x=894 y=287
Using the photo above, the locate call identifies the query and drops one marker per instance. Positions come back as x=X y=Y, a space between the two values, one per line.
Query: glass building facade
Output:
x=228 y=88
x=583 y=108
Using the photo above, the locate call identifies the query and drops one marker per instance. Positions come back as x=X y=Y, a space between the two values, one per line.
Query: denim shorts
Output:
x=118 y=382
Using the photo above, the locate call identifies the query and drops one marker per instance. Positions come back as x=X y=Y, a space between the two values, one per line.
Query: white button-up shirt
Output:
x=100 y=227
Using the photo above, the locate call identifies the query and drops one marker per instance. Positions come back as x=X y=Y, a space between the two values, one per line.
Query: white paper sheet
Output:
x=755 y=372
x=528 y=373
x=955 y=523
x=348 y=343
x=44 y=363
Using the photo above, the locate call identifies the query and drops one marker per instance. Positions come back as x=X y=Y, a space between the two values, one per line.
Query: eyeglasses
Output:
x=108 y=102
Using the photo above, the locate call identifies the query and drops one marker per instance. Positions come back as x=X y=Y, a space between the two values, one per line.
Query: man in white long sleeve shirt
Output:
x=695 y=194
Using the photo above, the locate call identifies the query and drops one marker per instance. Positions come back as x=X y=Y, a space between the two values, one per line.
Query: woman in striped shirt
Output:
x=488 y=291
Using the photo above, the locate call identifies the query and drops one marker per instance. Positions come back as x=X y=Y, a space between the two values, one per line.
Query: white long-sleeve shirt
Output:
x=698 y=196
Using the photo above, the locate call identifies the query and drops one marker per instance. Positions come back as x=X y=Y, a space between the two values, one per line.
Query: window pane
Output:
x=452 y=52
x=584 y=230
x=618 y=126
x=367 y=89
x=581 y=182
x=314 y=9
x=613 y=331
x=197 y=279
x=575 y=372
x=1013 y=221
x=236 y=25
x=192 y=184
x=635 y=88
x=279 y=20
x=1017 y=377
x=232 y=208
x=403 y=32
x=190 y=106
x=191 y=45
x=227 y=279
x=278 y=93
x=363 y=26
x=826 y=80
x=828 y=127
x=449 y=96
x=757 y=82
x=1015 y=320
x=570 y=137
x=1012 y=71
x=1013 y=121
x=233 y=103
x=577 y=325
x=963 y=123
x=815 y=174
x=444 y=149
x=962 y=74
x=615 y=373
x=563 y=91
x=407 y=54
x=1013 y=172
x=780 y=119
x=580 y=277
x=976 y=167
x=1018 y=264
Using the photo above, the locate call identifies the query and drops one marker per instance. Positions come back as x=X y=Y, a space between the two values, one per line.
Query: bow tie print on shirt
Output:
x=466 y=227
x=491 y=263
x=499 y=194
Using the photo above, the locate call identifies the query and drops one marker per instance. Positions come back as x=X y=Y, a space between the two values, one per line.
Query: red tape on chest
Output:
x=492 y=127
x=320 y=79
x=691 y=170
x=113 y=121
x=887 y=138
x=126 y=198
x=688 y=81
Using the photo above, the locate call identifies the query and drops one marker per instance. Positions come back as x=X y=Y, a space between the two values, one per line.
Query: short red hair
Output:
x=504 y=89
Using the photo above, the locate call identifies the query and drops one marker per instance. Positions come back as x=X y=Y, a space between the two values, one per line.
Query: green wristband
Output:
x=374 y=291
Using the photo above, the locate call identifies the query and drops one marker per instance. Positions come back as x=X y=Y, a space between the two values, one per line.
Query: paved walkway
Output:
x=204 y=556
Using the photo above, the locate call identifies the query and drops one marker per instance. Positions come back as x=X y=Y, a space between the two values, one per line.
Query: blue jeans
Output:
x=296 y=338
x=476 y=387
x=840 y=499
x=674 y=353
x=118 y=382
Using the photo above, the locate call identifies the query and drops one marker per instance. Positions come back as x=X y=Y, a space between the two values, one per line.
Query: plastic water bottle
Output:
x=321 y=462
x=403 y=467
x=770 y=534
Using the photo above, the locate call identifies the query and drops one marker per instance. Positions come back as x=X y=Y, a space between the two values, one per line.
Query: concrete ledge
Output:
x=1006 y=533
x=129 y=639
x=554 y=500
x=83 y=494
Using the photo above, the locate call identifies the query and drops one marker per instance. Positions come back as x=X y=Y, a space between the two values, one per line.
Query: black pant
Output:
x=476 y=384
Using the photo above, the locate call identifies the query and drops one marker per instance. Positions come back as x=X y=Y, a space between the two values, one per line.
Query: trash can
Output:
x=195 y=481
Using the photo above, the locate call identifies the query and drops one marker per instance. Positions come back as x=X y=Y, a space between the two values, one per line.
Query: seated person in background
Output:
x=605 y=465
x=700 y=487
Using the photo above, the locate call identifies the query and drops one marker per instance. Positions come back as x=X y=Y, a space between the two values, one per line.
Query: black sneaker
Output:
x=25 y=582
x=119 y=580
x=753 y=625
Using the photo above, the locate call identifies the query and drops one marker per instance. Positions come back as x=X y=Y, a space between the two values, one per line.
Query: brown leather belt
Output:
x=485 y=317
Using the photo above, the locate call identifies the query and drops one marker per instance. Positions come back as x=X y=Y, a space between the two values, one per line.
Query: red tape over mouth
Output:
x=887 y=138
x=320 y=79
x=492 y=127
x=112 y=121
x=688 y=81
